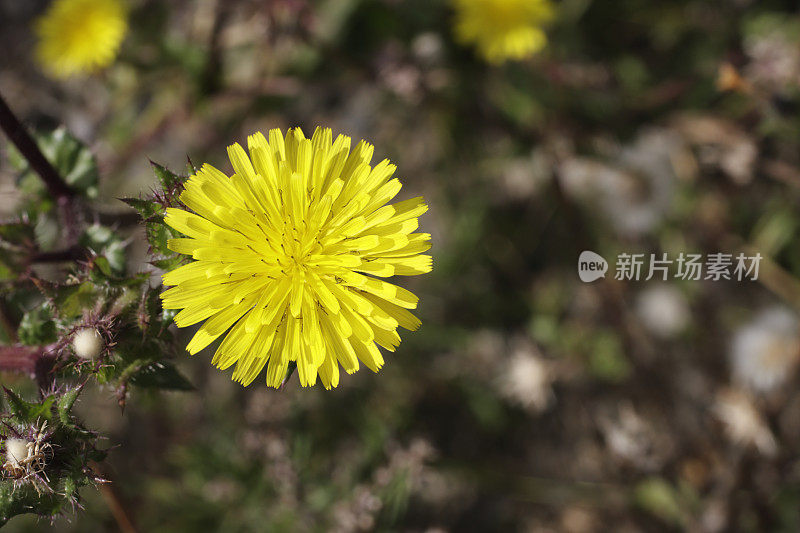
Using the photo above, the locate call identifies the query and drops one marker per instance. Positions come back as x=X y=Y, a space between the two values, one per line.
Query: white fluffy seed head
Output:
x=87 y=343
x=16 y=450
x=765 y=352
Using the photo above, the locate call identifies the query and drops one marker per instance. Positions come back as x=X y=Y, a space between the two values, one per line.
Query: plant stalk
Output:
x=22 y=140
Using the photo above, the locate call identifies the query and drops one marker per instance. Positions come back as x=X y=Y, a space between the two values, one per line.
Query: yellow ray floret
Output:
x=77 y=36
x=290 y=252
x=503 y=29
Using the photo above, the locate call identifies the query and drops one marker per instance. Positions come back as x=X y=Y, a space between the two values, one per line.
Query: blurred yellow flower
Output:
x=77 y=36
x=503 y=29
x=288 y=254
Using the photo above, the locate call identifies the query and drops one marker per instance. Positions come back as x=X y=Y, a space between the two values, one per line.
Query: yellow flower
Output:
x=288 y=254
x=78 y=36
x=503 y=29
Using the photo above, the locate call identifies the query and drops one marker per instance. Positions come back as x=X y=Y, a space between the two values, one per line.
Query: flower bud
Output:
x=16 y=450
x=87 y=343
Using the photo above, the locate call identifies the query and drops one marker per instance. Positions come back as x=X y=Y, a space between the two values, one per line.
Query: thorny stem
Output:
x=58 y=188
x=37 y=361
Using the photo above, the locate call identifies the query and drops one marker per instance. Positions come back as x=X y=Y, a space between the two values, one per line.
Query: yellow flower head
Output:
x=78 y=36
x=289 y=251
x=503 y=29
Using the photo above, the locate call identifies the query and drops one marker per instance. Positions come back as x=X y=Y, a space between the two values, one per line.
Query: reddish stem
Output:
x=34 y=361
x=19 y=358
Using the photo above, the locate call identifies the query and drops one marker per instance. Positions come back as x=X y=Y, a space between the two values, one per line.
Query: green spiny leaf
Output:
x=167 y=178
x=158 y=234
x=29 y=412
x=66 y=402
x=169 y=263
x=74 y=162
x=71 y=300
x=37 y=327
x=16 y=405
x=146 y=208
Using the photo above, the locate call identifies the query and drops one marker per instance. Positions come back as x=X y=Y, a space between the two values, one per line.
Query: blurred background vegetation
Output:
x=528 y=400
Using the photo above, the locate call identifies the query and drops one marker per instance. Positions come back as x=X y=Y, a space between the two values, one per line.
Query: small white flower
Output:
x=87 y=343
x=773 y=59
x=629 y=436
x=765 y=351
x=635 y=188
x=428 y=47
x=526 y=380
x=663 y=310
x=523 y=177
x=16 y=451
x=743 y=423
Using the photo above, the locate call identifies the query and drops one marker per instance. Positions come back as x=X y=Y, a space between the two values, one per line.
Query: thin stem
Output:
x=73 y=253
x=58 y=188
x=30 y=151
x=8 y=326
x=114 y=502
x=43 y=371
x=211 y=80
x=34 y=361
x=118 y=218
